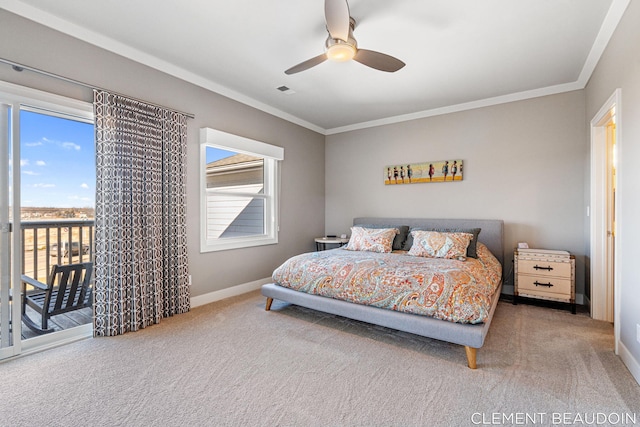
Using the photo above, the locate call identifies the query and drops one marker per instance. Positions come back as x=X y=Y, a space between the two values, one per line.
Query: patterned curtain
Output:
x=141 y=271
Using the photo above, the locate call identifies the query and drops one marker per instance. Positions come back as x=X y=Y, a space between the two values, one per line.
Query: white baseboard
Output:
x=228 y=292
x=631 y=363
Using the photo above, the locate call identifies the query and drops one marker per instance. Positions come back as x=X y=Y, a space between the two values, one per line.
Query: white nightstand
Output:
x=322 y=242
x=545 y=274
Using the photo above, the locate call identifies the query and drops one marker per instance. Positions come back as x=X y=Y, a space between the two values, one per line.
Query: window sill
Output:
x=228 y=244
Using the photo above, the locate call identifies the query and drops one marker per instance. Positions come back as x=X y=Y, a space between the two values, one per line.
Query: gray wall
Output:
x=619 y=67
x=302 y=202
x=523 y=163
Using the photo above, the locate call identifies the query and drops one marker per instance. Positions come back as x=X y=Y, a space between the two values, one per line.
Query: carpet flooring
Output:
x=231 y=363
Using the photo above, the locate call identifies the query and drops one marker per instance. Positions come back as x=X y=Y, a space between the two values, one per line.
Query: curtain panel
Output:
x=141 y=269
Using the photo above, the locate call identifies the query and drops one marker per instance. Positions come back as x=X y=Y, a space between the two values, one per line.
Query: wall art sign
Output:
x=413 y=173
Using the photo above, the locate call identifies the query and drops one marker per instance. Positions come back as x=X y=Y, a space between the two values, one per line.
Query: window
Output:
x=239 y=182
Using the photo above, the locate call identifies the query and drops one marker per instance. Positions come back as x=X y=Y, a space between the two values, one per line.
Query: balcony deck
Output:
x=61 y=321
x=43 y=243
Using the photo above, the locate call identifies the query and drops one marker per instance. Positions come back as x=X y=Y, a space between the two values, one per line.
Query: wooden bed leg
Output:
x=268 y=306
x=471 y=356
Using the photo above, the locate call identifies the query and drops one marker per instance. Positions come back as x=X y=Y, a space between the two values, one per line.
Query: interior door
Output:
x=611 y=217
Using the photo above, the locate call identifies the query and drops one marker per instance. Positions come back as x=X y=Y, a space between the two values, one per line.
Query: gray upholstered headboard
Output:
x=491 y=233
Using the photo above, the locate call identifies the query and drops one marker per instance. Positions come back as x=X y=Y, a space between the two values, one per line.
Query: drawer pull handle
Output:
x=537 y=267
x=543 y=284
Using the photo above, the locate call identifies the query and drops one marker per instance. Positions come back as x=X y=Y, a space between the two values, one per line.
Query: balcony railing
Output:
x=59 y=241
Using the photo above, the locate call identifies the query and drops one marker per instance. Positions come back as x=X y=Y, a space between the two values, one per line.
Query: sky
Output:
x=57 y=162
x=214 y=154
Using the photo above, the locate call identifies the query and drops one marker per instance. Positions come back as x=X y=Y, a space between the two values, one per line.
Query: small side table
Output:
x=322 y=242
x=545 y=274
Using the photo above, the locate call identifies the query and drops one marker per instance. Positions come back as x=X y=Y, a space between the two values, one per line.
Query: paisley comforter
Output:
x=448 y=289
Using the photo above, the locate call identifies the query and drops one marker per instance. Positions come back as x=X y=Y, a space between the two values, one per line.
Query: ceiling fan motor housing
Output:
x=342 y=50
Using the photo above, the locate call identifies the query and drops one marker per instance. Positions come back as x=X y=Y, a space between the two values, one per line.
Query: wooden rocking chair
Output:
x=68 y=288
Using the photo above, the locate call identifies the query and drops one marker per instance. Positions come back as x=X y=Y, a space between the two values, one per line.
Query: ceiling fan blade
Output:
x=379 y=61
x=336 y=13
x=305 y=65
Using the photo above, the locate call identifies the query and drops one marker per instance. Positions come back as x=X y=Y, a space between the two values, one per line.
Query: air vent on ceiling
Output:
x=286 y=90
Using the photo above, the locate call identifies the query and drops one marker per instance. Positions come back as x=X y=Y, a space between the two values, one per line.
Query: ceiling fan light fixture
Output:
x=341 y=46
x=340 y=52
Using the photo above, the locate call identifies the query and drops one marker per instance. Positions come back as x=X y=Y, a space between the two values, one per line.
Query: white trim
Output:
x=49 y=102
x=610 y=23
x=597 y=220
x=144 y=58
x=56 y=339
x=617 y=280
x=211 y=245
x=632 y=364
x=7 y=353
x=598 y=226
x=228 y=292
x=271 y=154
x=240 y=144
x=6 y=349
x=481 y=103
x=16 y=236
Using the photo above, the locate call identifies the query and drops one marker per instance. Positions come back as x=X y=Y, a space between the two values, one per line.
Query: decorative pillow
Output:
x=472 y=251
x=371 y=239
x=434 y=244
x=399 y=240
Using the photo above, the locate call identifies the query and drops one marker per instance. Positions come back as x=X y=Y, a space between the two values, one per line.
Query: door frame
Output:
x=10 y=239
x=22 y=98
x=598 y=213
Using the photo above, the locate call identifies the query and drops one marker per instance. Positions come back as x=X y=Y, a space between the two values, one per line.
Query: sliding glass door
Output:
x=9 y=152
x=47 y=191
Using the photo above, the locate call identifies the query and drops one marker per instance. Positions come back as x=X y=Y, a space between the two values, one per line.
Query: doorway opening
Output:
x=604 y=294
x=47 y=172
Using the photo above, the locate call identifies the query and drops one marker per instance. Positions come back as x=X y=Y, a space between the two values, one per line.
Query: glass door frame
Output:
x=20 y=98
x=9 y=257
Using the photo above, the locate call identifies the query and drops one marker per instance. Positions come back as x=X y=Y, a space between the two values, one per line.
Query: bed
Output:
x=456 y=322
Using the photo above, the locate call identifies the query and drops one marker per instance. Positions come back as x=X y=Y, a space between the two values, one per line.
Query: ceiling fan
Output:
x=341 y=46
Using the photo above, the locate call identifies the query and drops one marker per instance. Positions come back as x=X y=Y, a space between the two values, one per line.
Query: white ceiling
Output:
x=460 y=54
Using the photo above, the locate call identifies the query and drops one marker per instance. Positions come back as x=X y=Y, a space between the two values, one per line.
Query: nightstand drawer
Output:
x=544 y=268
x=544 y=286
